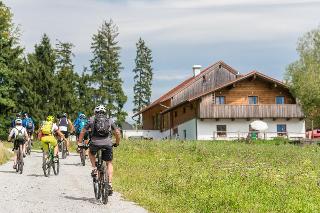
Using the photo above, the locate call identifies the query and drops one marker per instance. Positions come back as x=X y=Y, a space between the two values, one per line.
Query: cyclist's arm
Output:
x=71 y=125
x=10 y=135
x=39 y=134
x=59 y=133
x=117 y=135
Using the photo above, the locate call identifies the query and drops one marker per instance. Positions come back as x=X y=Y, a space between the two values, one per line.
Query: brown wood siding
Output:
x=182 y=116
x=214 y=78
x=237 y=106
x=148 y=116
x=266 y=92
x=251 y=111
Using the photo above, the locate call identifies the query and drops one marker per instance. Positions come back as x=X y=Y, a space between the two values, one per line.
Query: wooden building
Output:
x=218 y=102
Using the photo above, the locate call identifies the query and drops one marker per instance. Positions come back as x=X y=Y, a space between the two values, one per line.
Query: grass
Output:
x=171 y=176
x=5 y=155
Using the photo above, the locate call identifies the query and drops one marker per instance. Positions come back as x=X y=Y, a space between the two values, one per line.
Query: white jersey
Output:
x=15 y=131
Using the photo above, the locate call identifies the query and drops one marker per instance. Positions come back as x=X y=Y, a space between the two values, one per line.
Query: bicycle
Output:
x=20 y=163
x=48 y=162
x=101 y=185
x=62 y=148
x=82 y=150
x=29 y=144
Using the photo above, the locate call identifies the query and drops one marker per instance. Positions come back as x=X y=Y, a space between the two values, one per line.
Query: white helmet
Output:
x=18 y=121
x=100 y=109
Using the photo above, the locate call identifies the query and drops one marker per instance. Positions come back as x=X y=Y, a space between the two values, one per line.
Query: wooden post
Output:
x=311 y=129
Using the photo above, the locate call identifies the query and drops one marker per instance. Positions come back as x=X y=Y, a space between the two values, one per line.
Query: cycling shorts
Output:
x=65 y=133
x=107 y=153
x=16 y=144
x=49 y=139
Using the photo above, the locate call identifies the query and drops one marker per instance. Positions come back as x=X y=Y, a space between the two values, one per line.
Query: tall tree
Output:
x=85 y=92
x=106 y=68
x=66 y=79
x=303 y=75
x=11 y=64
x=142 y=79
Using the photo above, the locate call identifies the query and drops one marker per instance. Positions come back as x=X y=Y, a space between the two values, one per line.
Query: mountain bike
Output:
x=101 y=185
x=29 y=144
x=48 y=161
x=82 y=150
x=62 y=148
x=20 y=163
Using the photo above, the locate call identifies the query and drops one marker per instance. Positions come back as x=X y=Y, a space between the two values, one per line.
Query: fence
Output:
x=223 y=135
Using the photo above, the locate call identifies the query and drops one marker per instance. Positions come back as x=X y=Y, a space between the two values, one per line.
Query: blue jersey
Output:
x=81 y=123
x=28 y=123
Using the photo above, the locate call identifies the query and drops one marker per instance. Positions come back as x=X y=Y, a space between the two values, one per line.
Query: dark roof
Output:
x=185 y=84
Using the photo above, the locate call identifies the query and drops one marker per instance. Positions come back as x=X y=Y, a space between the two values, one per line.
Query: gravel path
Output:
x=70 y=191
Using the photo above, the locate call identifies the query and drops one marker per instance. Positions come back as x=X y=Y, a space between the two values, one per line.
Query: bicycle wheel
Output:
x=46 y=165
x=63 y=150
x=105 y=188
x=83 y=156
x=21 y=163
x=96 y=188
x=55 y=166
x=29 y=147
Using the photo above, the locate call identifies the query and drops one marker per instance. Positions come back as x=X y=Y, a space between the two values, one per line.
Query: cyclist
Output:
x=46 y=135
x=101 y=129
x=64 y=126
x=13 y=122
x=77 y=123
x=28 y=123
x=20 y=135
x=82 y=122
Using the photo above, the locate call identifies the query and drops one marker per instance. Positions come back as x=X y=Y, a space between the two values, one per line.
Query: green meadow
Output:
x=174 y=176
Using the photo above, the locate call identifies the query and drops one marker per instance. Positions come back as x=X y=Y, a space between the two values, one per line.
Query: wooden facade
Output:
x=214 y=76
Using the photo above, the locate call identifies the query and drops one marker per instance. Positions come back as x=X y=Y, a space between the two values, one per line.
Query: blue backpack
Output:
x=81 y=125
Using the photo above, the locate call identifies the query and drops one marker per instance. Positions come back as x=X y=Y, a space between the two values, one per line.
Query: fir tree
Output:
x=142 y=79
x=106 y=68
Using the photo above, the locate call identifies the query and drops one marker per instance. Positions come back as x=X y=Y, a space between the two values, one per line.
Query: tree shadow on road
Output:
x=90 y=200
x=35 y=175
x=71 y=164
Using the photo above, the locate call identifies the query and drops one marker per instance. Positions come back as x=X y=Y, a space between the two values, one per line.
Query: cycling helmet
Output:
x=100 y=109
x=25 y=114
x=18 y=121
x=18 y=115
x=64 y=114
x=50 y=118
x=82 y=116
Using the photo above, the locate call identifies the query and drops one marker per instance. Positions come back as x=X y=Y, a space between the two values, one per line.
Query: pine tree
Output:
x=142 y=79
x=85 y=93
x=106 y=68
x=11 y=64
x=66 y=80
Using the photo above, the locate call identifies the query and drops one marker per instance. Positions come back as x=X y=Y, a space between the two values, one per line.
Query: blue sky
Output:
x=246 y=34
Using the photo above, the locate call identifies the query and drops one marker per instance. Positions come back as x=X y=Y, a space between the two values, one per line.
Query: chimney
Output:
x=196 y=70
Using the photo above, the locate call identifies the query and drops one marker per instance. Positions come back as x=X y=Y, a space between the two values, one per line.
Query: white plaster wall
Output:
x=240 y=127
x=190 y=127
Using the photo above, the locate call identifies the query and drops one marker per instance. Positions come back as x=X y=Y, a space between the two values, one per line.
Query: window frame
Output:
x=221 y=133
x=280 y=96
x=219 y=98
x=282 y=133
x=250 y=96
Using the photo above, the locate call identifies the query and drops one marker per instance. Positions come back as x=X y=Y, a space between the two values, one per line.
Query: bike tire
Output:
x=46 y=166
x=20 y=167
x=96 y=188
x=55 y=167
x=83 y=156
x=63 y=151
x=18 y=161
x=29 y=147
x=104 y=189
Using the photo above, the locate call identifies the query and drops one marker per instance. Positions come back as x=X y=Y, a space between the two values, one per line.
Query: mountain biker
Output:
x=46 y=135
x=20 y=135
x=101 y=129
x=64 y=126
x=13 y=122
x=77 y=122
x=28 y=123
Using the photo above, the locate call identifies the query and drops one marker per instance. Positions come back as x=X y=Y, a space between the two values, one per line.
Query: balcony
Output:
x=251 y=111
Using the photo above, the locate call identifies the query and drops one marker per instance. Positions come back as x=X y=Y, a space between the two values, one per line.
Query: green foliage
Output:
x=142 y=79
x=303 y=75
x=173 y=176
x=106 y=67
x=5 y=155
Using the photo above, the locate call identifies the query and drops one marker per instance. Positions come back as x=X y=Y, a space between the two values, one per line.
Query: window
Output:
x=221 y=130
x=281 y=129
x=184 y=134
x=220 y=100
x=184 y=110
x=253 y=99
x=280 y=100
x=175 y=114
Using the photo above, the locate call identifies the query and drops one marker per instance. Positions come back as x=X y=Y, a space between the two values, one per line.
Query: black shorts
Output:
x=17 y=143
x=107 y=153
x=65 y=133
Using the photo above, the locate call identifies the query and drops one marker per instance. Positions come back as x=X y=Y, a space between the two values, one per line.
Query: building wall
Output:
x=240 y=127
x=190 y=128
x=152 y=113
x=183 y=114
x=239 y=93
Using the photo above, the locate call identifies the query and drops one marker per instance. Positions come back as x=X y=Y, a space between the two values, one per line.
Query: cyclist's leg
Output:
x=53 y=142
x=107 y=155
x=92 y=156
x=44 y=143
x=15 y=149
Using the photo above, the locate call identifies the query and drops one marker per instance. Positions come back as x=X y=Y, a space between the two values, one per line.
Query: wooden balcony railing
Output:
x=251 y=111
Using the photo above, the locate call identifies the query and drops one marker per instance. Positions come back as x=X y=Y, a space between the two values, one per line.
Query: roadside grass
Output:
x=5 y=155
x=175 y=176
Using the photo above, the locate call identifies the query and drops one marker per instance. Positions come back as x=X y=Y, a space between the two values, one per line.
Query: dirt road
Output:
x=70 y=191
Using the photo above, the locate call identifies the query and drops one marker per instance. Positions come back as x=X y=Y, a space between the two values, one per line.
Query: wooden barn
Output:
x=220 y=103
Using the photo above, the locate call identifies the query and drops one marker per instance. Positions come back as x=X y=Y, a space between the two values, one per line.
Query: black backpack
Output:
x=101 y=126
